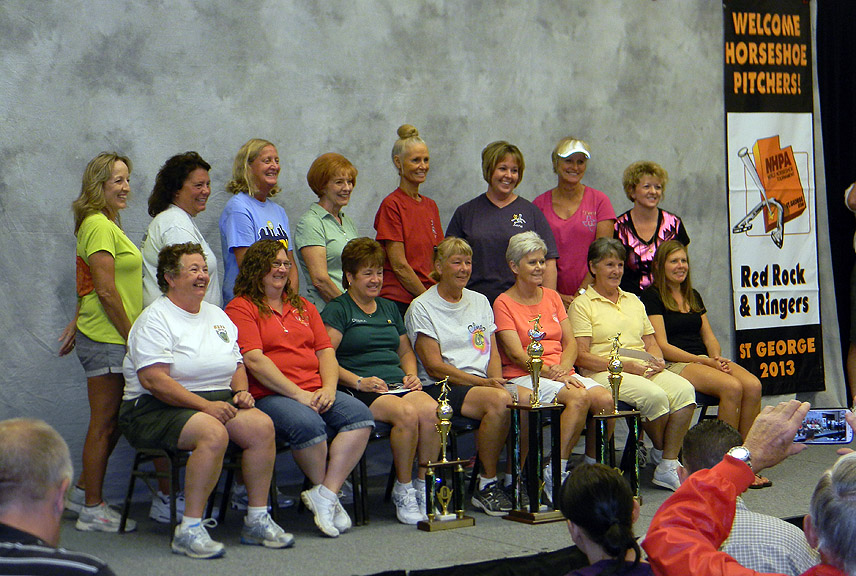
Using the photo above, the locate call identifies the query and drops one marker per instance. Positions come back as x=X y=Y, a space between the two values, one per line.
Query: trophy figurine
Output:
x=535 y=350
x=615 y=367
x=444 y=495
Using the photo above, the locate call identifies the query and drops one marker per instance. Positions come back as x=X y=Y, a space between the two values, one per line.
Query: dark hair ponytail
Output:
x=599 y=500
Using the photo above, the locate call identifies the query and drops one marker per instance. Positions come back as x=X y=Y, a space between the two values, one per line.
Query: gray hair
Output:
x=522 y=244
x=833 y=513
x=34 y=460
x=603 y=248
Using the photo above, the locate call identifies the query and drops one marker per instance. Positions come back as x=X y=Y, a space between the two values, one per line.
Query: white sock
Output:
x=327 y=493
x=255 y=514
x=187 y=522
x=419 y=484
x=401 y=488
x=485 y=481
x=589 y=460
x=671 y=463
x=657 y=453
x=563 y=465
x=506 y=480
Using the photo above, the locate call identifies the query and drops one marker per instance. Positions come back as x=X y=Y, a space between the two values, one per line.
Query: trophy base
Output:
x=437 y=525
x=526 y=517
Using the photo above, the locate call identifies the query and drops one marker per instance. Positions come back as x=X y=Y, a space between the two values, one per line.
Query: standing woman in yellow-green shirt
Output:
x=109 y=299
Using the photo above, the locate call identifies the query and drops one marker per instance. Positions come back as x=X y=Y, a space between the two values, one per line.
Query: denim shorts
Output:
x=302 y=427
x=98 y=358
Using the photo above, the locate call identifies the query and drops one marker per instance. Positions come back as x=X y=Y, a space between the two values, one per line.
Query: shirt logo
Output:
x=589 y=221
x=518 y=221
x=478 y=340
x=270 y=232
x=221 y=332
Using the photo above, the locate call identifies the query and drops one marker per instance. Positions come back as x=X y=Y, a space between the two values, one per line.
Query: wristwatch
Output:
x=742 y=454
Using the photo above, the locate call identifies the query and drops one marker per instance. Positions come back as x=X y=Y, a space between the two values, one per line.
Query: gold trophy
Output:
x=535 y=350
x=444 y=495
x=605 y=444
x=535 y=409
x=615 y=367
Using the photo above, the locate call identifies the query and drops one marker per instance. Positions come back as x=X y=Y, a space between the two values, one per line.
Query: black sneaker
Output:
x=492 y=500
x=524 y=497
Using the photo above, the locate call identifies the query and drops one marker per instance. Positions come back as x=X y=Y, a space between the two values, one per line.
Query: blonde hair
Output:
x=567 y=140
x=450 y=246
x=91 y=199
x=634 y=173
x=408 y=135
x=242 y=180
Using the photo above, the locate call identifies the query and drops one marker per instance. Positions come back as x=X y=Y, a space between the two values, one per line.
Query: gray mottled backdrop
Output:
x=636 y=78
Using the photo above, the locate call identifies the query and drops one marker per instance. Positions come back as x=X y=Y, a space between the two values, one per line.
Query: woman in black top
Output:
x=684 y=335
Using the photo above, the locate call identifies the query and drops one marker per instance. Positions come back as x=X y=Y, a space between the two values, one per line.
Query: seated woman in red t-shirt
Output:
x=293 y=374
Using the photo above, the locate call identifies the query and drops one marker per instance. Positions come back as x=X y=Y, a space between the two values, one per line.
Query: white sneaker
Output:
x=75 y=499
x=159 y=512
x=195 y=542
x=420 y=498
x=341 y=520
x=407 y=506
x=102 y=518
x=548 y=483
x=666 y=475
x=266 y=533
x=346 y=493
x=323 y=508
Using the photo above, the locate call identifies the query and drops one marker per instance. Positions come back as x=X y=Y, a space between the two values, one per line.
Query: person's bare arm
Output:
x=513 y=347
x=401 y=268
x=66 y=339
x=293 y=275
x=266 y=372
x=348 y=378
x=103 y=268
x=239 y=252
x=551 y=274
x=315 y=258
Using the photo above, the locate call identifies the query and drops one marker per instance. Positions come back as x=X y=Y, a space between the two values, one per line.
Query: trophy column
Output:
x=534 y=465
x=605 y=444
x=445 y=495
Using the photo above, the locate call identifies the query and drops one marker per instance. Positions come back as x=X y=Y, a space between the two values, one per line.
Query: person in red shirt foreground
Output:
x=687 y=530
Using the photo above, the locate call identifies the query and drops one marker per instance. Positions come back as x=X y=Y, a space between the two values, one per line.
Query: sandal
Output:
x=760 y=482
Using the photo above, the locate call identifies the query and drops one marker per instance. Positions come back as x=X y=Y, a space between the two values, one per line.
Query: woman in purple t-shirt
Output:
x=577 y=214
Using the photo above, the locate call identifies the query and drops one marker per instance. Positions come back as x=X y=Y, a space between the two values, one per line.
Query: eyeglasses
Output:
x=281 y=264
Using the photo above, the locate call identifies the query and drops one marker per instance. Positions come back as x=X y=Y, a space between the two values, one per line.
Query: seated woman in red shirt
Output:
x=293 y=374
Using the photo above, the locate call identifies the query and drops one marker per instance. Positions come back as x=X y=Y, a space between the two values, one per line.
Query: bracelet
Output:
x=358 y=383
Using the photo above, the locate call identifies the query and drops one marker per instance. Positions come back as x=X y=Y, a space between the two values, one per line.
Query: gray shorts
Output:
x=149 y=423
x=98 y=358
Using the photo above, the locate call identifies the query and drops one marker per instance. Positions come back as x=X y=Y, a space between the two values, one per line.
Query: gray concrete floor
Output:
x=385 y=544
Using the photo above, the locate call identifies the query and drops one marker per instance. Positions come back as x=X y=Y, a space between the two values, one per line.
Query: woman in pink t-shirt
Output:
x=577 y=214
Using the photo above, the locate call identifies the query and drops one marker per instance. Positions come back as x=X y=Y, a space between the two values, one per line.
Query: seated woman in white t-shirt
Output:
x=186 y=389
x=452 y=332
